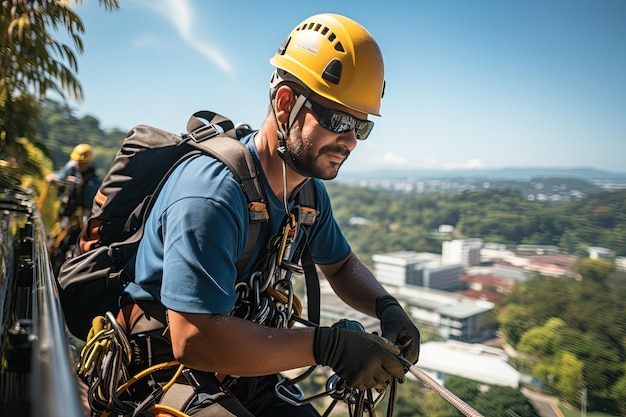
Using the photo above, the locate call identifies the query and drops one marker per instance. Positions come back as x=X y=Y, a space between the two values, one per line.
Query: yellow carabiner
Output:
x=289 y=233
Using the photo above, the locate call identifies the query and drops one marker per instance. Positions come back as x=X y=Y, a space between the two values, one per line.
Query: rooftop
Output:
x=477 y=362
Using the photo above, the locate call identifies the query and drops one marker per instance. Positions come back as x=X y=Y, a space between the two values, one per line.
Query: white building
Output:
x=596 y=252
x=417 y=268
x=480 y=363
x=466 y=252
x=452 y=315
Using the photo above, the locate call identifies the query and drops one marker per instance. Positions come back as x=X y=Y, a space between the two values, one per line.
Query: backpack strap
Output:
x=306 y=198
x=224 y=146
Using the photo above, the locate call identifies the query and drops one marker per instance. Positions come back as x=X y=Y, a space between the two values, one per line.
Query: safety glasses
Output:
x=338 y=121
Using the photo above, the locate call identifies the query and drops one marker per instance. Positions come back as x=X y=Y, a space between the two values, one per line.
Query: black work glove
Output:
x=398 y=327
x=362 y=359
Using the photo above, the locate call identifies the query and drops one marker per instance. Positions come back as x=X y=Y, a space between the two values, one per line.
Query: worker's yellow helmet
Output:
x=82 y=153
x=336 y=58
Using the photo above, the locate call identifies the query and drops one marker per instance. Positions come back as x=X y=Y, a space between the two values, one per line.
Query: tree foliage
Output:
x=500 y=401
x=578 y=336
x=463 y=388
x=619 y=393
x=409 y=221
x=61 y=130
x=32 y=64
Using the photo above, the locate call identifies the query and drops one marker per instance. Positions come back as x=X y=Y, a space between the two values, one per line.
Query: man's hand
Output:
x=362 y=359
x=52 y=177
x=398 y=327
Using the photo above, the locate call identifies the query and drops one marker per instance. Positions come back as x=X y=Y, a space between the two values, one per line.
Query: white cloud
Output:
x=182 y=16
x=389 y=158
x=471 y=164
x=474 y=164
x=434 y=163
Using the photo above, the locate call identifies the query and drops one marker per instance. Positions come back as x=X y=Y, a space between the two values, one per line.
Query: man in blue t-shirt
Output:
x=78 y=181
x=328 y=79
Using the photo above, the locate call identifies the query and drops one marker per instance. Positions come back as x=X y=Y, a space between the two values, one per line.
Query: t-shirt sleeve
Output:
x=202 y=240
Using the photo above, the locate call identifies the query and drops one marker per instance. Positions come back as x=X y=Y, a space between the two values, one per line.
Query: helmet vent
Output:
x=332 y=72
x=283 y=47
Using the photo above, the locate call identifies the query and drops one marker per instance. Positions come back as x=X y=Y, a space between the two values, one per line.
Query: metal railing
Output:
x=36 y=373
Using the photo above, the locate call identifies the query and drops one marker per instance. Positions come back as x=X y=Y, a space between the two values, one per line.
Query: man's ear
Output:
x=284 y=102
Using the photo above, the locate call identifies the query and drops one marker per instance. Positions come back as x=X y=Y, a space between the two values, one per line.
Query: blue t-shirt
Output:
x=198 y=228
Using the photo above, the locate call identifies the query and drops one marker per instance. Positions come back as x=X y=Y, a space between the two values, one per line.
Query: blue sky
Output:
x=470 y=83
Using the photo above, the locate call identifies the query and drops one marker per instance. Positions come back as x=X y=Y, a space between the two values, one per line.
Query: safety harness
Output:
x=266 y=297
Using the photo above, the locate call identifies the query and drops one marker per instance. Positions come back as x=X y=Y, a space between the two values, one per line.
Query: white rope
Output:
x=442 y=391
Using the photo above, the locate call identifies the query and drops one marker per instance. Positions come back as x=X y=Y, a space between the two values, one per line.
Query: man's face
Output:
x=318 y=152
x=82 y=166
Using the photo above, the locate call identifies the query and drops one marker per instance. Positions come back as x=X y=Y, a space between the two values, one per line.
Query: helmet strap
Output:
x=282 y=131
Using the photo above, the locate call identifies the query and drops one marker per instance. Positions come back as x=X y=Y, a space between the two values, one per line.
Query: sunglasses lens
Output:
x=337 y=122
x=363 y=129
x=340 y=122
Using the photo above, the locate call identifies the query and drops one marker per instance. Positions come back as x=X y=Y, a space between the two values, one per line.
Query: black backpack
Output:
x=91 y=283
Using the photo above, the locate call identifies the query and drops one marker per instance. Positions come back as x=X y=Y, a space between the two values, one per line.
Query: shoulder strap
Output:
x=306 y=198
x=239 y=161
x=225 y=146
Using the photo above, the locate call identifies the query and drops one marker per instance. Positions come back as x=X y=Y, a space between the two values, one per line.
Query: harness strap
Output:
x=312 y=286
x=178 y=396
x=135 y=318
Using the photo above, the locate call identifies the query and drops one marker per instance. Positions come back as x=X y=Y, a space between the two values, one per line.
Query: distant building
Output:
x=417 y=268
x=465 y=252
x=486 y=295
x=620 y=263
x=333 y=309
x=445 y=228
x=486 y=287
x=480 y=363
x=546 y=260
x=537 y=249
x=451 y=315
x=358 y=221
x=596 y=252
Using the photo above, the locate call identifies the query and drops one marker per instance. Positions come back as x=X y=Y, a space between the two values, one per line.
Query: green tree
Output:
x=501 y=401
x=569 y=378
x=435 y=406
x=465 y=389
x=33 y=63
x=619 y=393
x=582 y=334
x=597 y=270
x=515 y=320
x=544 y=340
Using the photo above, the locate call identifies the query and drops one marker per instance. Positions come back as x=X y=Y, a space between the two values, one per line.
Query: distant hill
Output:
x=521 y=174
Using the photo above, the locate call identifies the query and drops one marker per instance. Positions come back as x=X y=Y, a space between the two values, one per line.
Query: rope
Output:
x=442 y=391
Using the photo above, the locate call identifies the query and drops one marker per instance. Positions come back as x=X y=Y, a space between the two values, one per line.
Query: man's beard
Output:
x=306 y=163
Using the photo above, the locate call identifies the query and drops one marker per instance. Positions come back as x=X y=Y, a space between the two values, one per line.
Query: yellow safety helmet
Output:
x=82 y=153
x=337 y=58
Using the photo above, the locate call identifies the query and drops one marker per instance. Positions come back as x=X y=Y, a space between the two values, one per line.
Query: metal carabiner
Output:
x=262 y=310
x=288 y=391
x=257 y=278
x=287 y=237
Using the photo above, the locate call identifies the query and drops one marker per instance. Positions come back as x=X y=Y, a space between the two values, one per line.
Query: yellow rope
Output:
x=148 y=371
x=158 y=407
